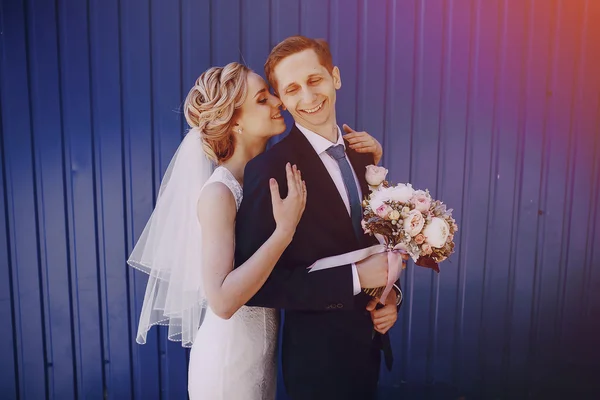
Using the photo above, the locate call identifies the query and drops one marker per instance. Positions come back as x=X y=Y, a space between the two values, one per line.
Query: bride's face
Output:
x=260 y=114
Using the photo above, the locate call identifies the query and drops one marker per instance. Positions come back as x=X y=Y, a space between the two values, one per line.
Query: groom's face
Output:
x=307 y=90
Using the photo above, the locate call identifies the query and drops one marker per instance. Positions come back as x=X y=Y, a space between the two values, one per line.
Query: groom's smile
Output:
x=314 y=110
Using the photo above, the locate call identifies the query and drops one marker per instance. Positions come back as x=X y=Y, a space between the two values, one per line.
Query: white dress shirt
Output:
x=320 y=145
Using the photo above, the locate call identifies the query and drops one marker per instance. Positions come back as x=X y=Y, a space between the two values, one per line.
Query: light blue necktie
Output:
x=338 y=153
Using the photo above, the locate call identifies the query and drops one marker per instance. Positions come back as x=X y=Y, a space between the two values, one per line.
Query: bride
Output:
x=187 y=246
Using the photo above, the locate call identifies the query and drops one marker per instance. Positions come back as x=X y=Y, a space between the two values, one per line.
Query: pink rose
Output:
x=426 y=249
x=413 y=224
x=375 y=175
x=383 y=210
x=420 y=238
x=421 y=201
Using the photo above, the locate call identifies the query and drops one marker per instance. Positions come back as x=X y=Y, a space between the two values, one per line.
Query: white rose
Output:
x=437 y=232
x=375 y=175
x=376 y=199
x=413 y=224
x=401 y=193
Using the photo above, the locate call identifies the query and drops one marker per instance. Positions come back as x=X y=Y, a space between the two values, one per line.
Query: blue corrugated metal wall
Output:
x=494 y=105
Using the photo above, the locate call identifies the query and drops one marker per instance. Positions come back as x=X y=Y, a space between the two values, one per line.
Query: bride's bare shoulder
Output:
x=216 y=201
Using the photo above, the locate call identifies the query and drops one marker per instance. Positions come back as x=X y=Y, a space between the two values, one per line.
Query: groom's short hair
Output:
x=293 y=45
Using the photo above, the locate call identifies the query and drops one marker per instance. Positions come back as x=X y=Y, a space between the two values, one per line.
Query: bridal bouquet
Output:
x=408 y=220
x=404 y=221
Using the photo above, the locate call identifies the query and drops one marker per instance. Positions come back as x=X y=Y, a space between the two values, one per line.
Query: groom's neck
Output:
x=328 y=132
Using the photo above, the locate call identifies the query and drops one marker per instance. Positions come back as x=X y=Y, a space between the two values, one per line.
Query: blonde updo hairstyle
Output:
x=211 y=105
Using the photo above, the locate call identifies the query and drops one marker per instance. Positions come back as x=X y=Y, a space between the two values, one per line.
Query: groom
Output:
x=330 y=350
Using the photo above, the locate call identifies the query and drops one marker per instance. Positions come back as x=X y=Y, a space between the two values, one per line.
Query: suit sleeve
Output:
x=290 y=285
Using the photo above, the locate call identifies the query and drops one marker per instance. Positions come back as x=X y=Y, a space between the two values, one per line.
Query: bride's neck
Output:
x=243 y=153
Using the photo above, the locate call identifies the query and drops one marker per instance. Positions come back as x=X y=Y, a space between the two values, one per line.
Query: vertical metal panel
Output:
x=493 y=105
x=22 y=204
x=343 y=41
x=165 y=36
x=12 y=362
x=54 y=246
x=226 y=21
x=108 y=149
x=80 y=141
x=255 y=34
x=140 y=188
x=529 y=272
x=314 y=18
x=9 y=382
x=588 y=126
x=531 y=129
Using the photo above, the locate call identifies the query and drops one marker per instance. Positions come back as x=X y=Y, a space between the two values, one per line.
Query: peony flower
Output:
x=437 y=232
x=413 y=224
x=375 y=175
x=421 y=201
x=401 y=193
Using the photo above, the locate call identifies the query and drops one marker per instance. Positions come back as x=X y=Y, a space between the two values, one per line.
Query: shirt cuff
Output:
x=355 y=280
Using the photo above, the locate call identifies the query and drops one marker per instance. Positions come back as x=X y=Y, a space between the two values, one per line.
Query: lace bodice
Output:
x=223 y=175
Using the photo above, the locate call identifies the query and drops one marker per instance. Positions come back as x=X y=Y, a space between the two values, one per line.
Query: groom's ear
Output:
x=337 y=79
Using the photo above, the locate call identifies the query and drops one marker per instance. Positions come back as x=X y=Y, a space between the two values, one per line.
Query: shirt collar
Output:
x=318 y=142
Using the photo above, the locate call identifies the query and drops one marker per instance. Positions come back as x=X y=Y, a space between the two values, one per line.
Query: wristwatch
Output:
x=399 y=295
x=377 y=292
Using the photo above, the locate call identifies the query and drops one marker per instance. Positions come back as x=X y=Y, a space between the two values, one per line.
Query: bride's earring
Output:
x=240 y=131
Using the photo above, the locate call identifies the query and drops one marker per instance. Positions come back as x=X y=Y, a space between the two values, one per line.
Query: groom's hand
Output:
x=373 y=270
x=385 y=317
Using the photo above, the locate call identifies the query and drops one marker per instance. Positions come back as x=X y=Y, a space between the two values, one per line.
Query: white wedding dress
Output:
x=234 y=359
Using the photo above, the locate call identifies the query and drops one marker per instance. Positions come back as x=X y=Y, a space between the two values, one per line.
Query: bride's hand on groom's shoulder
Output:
x=287 y=212
x=362 y=142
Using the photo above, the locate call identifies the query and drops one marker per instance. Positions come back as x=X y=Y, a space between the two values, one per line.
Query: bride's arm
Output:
x=228 y=289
